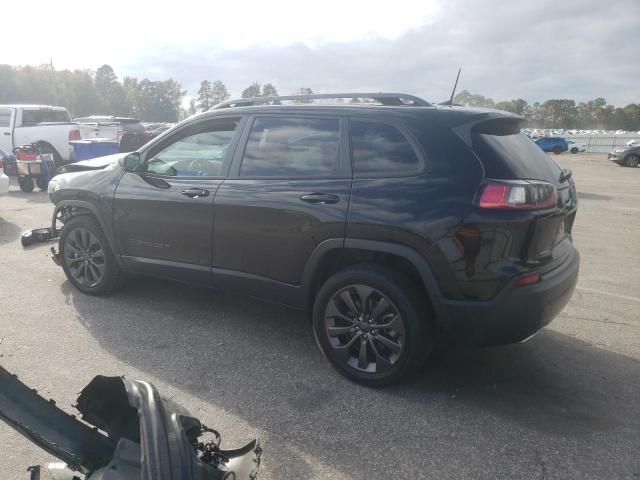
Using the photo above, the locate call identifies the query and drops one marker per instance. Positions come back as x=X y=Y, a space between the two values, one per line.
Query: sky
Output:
x=531 y=49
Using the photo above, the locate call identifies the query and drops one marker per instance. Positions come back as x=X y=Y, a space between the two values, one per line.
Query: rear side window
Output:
x=5 y=117
x=292 y=147
x=514 y=156
x=380 y=149
x=33 y=117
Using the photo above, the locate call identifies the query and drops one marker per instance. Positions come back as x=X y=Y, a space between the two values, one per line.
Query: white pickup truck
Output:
x=51 y=127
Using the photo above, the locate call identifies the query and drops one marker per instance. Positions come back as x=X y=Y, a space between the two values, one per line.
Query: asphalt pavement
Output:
x=564 y=405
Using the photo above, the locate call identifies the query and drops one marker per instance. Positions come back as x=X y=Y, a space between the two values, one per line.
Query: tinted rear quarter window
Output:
x=379 y=149
x=514 y=156
x=292 y=147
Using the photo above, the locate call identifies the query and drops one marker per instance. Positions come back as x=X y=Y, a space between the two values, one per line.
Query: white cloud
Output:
x=536 y=50
x=78 y=33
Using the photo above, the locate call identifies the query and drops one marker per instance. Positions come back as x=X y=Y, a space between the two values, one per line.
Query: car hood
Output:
x=93 y=164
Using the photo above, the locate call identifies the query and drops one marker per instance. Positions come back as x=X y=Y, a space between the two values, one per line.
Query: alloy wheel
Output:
x=84 y=257
x=632 y=161
x=364 y=328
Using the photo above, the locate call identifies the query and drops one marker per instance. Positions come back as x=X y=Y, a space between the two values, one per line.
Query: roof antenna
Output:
x=453 y=92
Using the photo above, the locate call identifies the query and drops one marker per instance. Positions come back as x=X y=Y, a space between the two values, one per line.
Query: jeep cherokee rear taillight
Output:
x=516 y=195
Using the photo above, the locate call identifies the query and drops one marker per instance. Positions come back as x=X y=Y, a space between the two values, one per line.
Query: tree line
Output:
x=563 y=113
x=84 y=92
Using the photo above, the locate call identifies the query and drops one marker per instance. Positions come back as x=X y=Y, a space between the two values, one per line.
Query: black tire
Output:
x=46 y=148
x=557 y=150
x=574 y=150
x=631 y=161
x=409 y=330
x=42 y=183
x=86 y=257
x=26 y=184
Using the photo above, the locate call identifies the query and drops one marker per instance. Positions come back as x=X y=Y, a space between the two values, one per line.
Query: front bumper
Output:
x=515 y=314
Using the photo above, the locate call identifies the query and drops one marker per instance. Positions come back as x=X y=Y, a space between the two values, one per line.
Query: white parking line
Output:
x=602 y=292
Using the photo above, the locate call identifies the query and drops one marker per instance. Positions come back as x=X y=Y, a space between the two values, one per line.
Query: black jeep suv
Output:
x=391 y=221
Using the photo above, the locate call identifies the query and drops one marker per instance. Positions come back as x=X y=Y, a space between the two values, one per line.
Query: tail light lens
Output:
x=74 y=135
x=517 y=195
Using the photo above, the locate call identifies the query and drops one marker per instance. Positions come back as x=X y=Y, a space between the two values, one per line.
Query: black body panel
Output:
x=269 y=236
x=154 y=219
x=264 y=228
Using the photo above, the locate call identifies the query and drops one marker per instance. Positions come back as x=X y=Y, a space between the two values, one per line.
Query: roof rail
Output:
x=387 y=99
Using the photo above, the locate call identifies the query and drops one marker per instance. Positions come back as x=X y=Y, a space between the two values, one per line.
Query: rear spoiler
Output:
x=493 y=122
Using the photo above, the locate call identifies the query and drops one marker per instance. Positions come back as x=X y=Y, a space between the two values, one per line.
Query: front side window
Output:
x=198 y=155
x=292 y=147
x=380 y=149
x=5 y=117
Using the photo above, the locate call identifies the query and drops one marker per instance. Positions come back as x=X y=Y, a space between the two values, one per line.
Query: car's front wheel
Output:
x=86 y=257
x=372 y=325
x=557 y=150
x=632 y=161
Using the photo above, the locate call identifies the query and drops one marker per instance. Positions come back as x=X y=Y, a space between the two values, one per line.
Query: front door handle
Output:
x=7 y=133
x=320 y=198
x=195 y=193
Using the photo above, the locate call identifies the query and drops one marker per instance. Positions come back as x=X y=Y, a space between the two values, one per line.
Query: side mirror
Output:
x=131 y=162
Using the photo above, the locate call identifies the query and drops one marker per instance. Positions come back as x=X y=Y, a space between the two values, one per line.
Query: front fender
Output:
x=82 y=207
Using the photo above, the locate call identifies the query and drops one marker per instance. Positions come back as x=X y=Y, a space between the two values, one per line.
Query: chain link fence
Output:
x=602 y=143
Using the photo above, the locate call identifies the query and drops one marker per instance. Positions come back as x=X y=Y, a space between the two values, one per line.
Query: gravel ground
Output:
x=566 y=404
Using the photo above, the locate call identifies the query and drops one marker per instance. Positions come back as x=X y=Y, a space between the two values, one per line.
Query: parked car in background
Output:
x=575 y=147
x=387 y=223
x=155 y=129
x=556 y=145
x=49 y=127
x=4 y=179
x=628 y=156
x=128 y=131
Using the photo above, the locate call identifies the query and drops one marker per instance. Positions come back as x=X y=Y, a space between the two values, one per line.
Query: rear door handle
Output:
x=195 y=193
x=7 y=133
x=320 y=198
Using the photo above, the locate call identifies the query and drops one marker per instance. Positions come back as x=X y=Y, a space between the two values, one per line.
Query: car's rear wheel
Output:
x=86 y=257
x=372 y=325
x=632 y=161
x=574 y=150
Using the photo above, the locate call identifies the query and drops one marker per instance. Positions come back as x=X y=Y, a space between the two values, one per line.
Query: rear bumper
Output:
x=515 y=314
